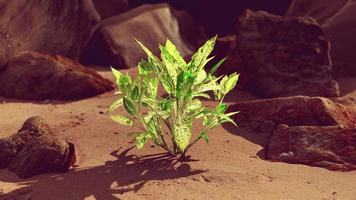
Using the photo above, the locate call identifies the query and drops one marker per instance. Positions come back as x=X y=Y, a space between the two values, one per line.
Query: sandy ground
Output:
x=230 y=167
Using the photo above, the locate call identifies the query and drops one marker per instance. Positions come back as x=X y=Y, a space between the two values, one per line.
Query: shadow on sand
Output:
x=128 y=173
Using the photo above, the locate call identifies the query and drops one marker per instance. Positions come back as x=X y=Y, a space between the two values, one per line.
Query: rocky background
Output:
x=293 y=56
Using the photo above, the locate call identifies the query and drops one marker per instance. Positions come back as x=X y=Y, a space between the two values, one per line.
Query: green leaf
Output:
x=216 y=66
x=204 y=135
x=221 y=108
x=135 y=93
x=231 y=82
x=152 y=59
x=184 y=82
x=201 y=95
x=165 y=108
x=182 y=134
x=144 y=68
x=170 y=63
x=150 y=87
x=141 y=140
x=129 y=106
x=123 y=120
x=200 y=57
x=201 y=77
x=123 y=81
x=173 y=51
x=193 y=106
x=115 y=105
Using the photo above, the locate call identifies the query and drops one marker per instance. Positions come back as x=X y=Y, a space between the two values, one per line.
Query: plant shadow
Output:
x=128 y=173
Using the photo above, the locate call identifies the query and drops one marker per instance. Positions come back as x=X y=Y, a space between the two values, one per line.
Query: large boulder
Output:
x=285 y=56
x=265 y=115
x=36 y=76
x=331 y=147
x=114 y=41
x=35 y=149
x=54 y=27
x=220 y=17
x=337 y=18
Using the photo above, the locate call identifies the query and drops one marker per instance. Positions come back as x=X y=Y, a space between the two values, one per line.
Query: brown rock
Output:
x=337 y=18
x=114 y=42
x=54 y=27
x=331 y=147
x=109 y=8
x=285 y=56
x=34 y=149
x=37 y=76
x=293 y=111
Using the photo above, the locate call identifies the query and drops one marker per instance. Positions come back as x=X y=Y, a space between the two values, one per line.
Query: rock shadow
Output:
x=128 y=173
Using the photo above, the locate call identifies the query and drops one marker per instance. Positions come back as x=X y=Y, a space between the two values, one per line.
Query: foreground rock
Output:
x=53 y=27
x=331 y=147
x=265 y=115
x=337 y=18
x=35 y=76
x=114 y=42
x=34 y=149
x=285 y=56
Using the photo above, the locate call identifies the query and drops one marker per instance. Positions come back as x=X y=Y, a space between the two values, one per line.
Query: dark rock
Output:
x=285 y=56
x=337 y=18
x=331 y=147
x=37 y=76
x=53 y=27
x=109 y=8
x=219 y=17
x=114 y=42
x=34 y=149
x=264 y=115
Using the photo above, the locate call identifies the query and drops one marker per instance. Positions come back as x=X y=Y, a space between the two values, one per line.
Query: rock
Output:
x=114 y=41
x=36 y=76
x=53 y=27
x=337 y=18
x=219 y=17
x=293 y=111
x=35 y=149
x=331 y=147
x=285 y=56
x=109 y=8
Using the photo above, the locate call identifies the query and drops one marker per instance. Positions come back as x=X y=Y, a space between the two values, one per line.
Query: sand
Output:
x=231 y=166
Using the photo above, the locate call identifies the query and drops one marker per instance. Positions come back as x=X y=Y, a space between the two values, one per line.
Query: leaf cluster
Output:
x=185 y=84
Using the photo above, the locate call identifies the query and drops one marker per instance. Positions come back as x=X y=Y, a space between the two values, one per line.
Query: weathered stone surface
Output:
x=265 y=115
x=331 y=147
x=34 y=149
x=37 y=76
x=337 y=18
x=285 y=56
x=109 y=8
x=114 y=42
x=53 y=27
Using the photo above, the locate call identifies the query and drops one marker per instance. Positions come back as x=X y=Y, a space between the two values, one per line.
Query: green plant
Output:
x=184 y=84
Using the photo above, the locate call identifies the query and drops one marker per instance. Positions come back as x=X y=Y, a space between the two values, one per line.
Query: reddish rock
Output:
x=264 y=115
x=36 y=76
x=331 y=147
x=114 y=42
x=54 y=27
x=109 y=8
x=35 y=149
x=337 y=18
x=285 y=56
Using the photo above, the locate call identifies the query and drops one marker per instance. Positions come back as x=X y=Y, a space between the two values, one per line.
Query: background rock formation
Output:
x=53 y=27
x=285 y=56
